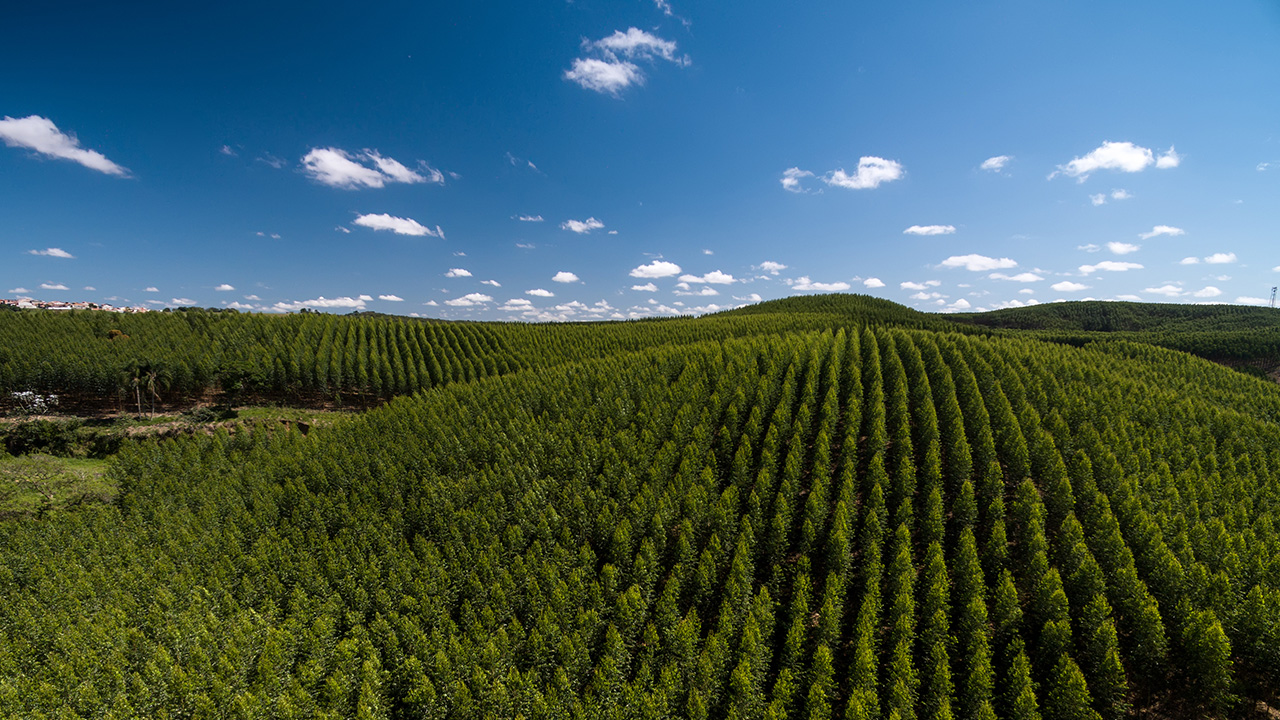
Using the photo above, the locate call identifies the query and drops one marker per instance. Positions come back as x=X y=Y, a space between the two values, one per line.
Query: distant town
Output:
x=30 y=304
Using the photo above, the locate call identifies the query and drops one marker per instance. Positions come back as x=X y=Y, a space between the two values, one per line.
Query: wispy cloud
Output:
x=1117 y=156
x=52 y=252
x=791 y=178
x=996 y=164
x=397 y=225
x=41 y=135
x=529 y=218
x=930 y=230
x=656 y=269
x=978 y=263
x=366 y=169
x=1110 y=266
x=611 y=63
x=582 y=227
x=1162 y=230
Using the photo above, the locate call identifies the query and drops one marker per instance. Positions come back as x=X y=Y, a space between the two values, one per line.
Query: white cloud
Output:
x=564 y=276
x=1120 y=248
x=805 y=284
x=252 y=297
x=910 y=285
x=226 y=150
x=224 y=287
x=469 y=300
x=182 y=301
x=873 y=283
x=922 y=295
x=791 y=179
x=391 y=298
x=52 y=252
x=494 y=283
x=152 y=289
x=1088 y=248
x=1110 y=266
x=530 y=218
x=997 y=163
x=340 y=169
x=1166 y=290
x=1099 y=199
x=1121 y=156
x=90 y=288
x=539 y=292
x=397 y=225
x=457 y=273
x=41 y=135
x=432 y=303
x=871 y=172
x=700 y=291
x=344 y=302
x=516 y=304
x=1189 y=261
x=343 y=230
x=715 y=277
x=1020 y=277
x=656 y=269
x=1221 y=258
x=978 y=263
x=1120 y=194
x=1068 y=286
x=53 y=286
x=1168 y=160
x=365 y=298
x=960 y=304
x=582 y=226
x=930 y=230
x=1162 y=230
x=17 y=290
x=1207 y=292
x=613 y=69
x=1245 y=300
x=647 y=287
x=773 y=268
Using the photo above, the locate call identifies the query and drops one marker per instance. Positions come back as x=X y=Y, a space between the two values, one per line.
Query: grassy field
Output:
x=36 y=483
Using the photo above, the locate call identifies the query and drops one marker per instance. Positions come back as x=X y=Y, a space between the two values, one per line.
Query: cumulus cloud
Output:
x=1162 y=230
x=873 y=283
x=151 y=289
x=344 y=302
x=458 y=273
x=1120 y=194
x=997 y=163
x=656 y=269
x=582 y=227
x=1068 y=286
x=804 y=284
x=41 y=135
x=224 y=287
x=564 y=276
x=529 y=218
x=773 y=268
x=53 y=286
x=647 y=287
x=1120 y=248
x=182 y=301
x=912 y=285
x=930 y=230
x=1110 y=266
x=52 y=252
x=469 y=300
x=397 y=225
x=871 y=172
x=391 y=298
x=1166 y=290
x=1189 y=261
x=1119 y=156
x=978 y=263
x=791 y=179
x=1207 y=292
x=366 y=169
x=1221 y=258
x=611 y=63
x=715 y=277
x=494 y=283
x=1020 y=277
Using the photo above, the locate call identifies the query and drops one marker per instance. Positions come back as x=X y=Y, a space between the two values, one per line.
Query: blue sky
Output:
x=585 y=160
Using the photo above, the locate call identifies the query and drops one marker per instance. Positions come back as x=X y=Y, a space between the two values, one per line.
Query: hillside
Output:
x=704 y=518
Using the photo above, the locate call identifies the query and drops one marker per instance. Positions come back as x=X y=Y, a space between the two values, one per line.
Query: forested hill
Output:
x=1219 y=332
x=720 y=518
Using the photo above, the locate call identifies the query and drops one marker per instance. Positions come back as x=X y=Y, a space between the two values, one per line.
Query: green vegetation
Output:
x=780 y=514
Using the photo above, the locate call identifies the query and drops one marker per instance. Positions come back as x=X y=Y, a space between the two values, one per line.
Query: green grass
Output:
x=34 y=483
